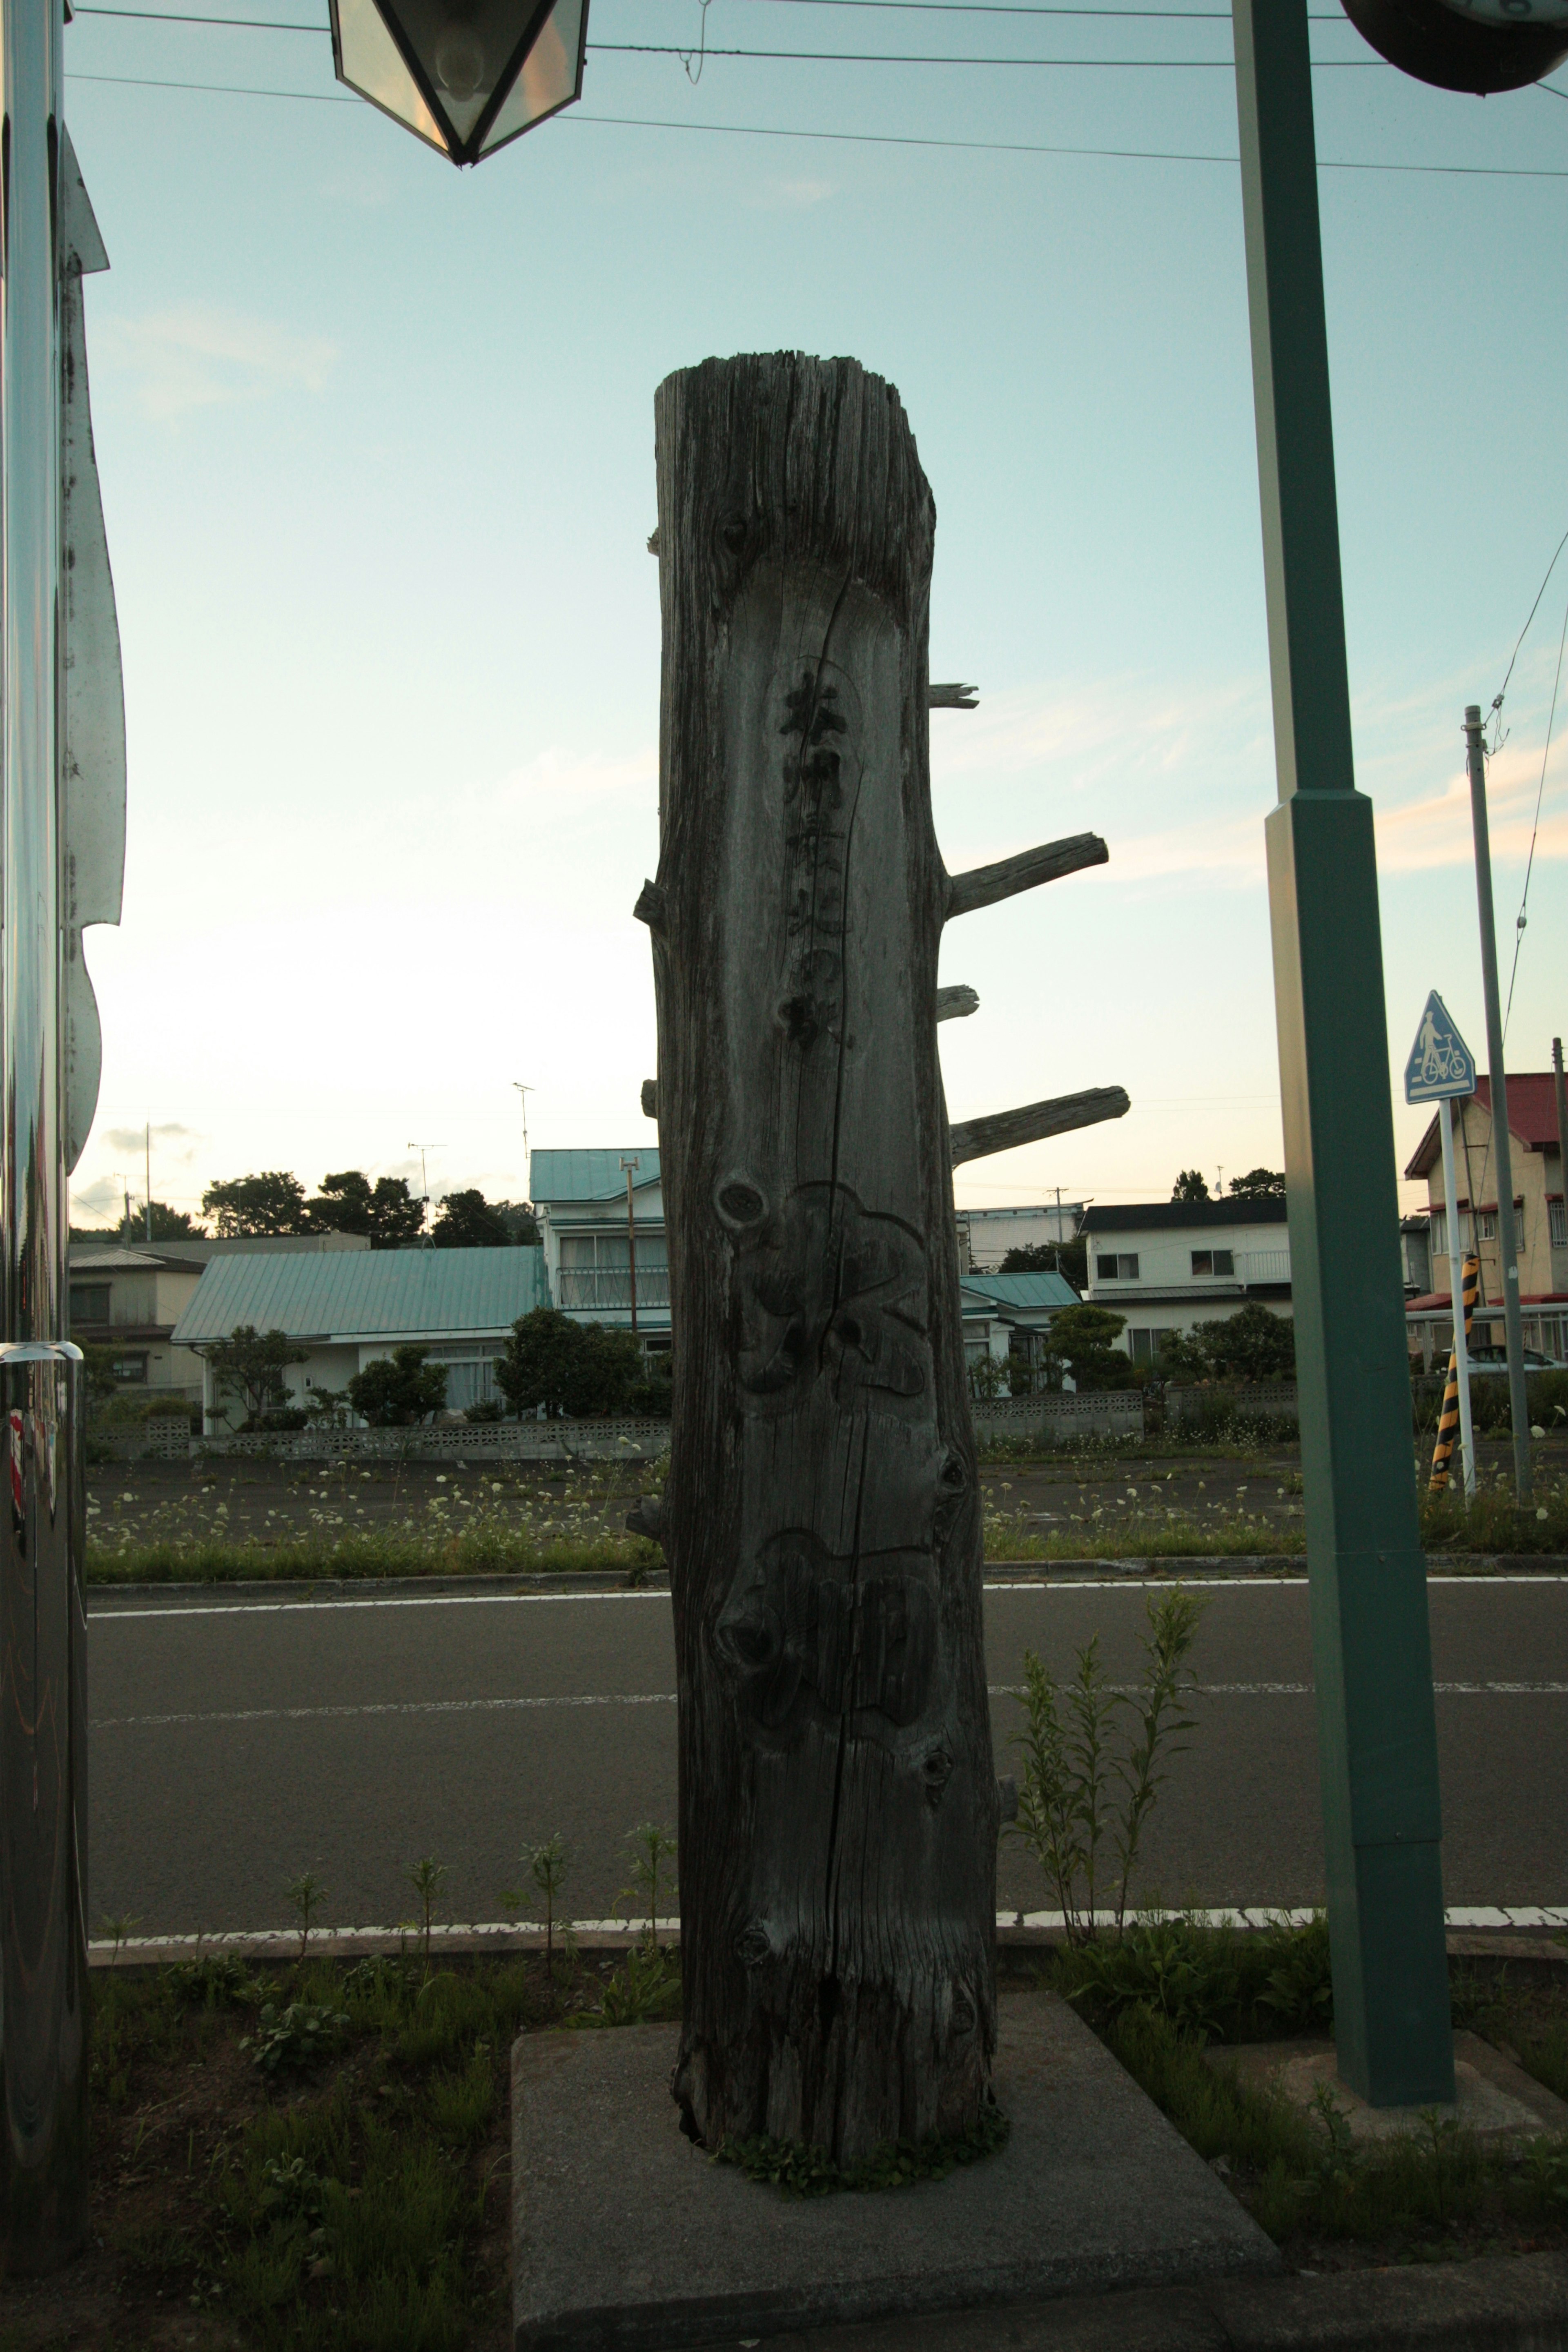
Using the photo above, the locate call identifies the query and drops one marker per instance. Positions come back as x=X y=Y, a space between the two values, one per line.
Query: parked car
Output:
x=1495 y=1360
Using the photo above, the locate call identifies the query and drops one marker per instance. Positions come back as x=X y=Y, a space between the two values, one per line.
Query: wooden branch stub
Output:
x=983 y=885
x=653 y=541
x=649 y=907
x=645 y=1518
x=977 y=1139
x=650 y=1098
x=956 y=1003
x=952 y=697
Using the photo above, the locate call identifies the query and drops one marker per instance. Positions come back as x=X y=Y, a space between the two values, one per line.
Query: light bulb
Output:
x=459 y=63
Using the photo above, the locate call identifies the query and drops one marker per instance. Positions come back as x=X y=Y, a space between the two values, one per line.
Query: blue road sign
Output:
x=1441 y=1065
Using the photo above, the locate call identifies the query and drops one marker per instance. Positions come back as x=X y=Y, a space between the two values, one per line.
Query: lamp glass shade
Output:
x=1486 y=47
x=552 y=76
x=467 y=75
x=369 y=60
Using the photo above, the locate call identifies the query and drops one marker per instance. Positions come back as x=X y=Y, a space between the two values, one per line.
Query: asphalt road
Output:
x=237 y=1742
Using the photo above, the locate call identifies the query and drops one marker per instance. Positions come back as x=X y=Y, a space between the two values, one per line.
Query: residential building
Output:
x=1170 y=1266
x=580 y=1200
x=129 y=1296
x=1009 y=1314
x=346 y=1311
x=986 y=1236
x=1542 y=1238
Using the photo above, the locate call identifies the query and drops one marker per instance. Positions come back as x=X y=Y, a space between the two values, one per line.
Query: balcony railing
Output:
x=1264 y=1265
x=610 y=1287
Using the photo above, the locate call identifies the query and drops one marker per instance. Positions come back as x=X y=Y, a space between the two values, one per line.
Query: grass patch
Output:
x=472 y=1551
x=800 y=2170
x=1218 y=1983
x=1425 y=2194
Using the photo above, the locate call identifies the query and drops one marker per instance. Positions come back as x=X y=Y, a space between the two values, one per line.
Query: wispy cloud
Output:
x=780 y=195
x=1114 y=755
x=170 y=1140
x=194 y=356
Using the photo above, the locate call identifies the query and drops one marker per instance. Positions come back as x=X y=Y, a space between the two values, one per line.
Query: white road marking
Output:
x=1130 y=1583
x=666 y=1698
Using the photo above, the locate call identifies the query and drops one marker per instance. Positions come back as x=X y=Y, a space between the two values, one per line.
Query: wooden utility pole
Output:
x=838 y=1803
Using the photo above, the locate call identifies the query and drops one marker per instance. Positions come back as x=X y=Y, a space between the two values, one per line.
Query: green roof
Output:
x=1026 y=1292
x=420 y=1293
x=590 y=1175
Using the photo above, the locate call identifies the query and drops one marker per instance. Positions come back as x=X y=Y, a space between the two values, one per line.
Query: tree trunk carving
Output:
x=838 y=1803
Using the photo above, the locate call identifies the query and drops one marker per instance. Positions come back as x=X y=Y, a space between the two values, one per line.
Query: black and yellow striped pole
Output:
x=1448 y=1419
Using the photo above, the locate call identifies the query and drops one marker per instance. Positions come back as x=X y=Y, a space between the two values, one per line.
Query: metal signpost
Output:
x=1376 y=1725
x=1442 y=1069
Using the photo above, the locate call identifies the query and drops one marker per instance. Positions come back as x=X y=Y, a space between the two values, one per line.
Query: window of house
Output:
x=1437 y=1230
x=128 y=1367
x=1145 y=1346
x=90 y=1302
x=1485 y=1224
x=1123 y=1268
x=1213 y=1262
x=1557 y=1223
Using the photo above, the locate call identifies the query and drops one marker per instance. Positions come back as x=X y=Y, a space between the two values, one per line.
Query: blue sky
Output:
x=375 y=439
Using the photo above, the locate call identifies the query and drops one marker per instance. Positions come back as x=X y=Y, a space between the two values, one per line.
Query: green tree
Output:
x=385 y=1212
x=168 y=1225
x=1082 y=1339
x=270 y=1202
x=567 y=1367
x=522 y=1224
x=468 y=1221
x=399 y=1389
x=249 y=1364
x=1258 y=1184
x=1190 y=1185
x=1069 y=1259
x=1251 y=1345
x=98 y=1371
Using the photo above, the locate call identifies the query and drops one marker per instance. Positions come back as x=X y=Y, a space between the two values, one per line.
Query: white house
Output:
x=1170 y=1266
x=580 y=1200
x=344 y=1311
x=986 y=1236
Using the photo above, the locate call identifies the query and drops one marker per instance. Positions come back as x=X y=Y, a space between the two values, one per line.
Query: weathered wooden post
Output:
x=838 y=1804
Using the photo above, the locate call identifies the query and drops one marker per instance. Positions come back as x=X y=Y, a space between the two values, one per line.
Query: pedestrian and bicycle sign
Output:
x=1441 y=1065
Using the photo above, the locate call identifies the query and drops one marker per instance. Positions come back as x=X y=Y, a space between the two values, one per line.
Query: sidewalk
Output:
x=1514 y=2304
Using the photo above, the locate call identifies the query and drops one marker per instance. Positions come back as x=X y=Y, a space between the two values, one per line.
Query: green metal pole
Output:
x=1371 y=1645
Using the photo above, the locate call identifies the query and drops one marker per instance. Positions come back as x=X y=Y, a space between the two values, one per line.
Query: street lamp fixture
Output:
x=466 y=76
x=1483 y=45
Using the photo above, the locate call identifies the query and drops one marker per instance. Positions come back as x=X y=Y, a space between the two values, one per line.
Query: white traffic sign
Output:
x=1441 y=1065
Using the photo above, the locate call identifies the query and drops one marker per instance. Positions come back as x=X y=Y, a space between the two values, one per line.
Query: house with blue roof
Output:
x=345 y=1309
x=600 y=1248
x=1010 y=1314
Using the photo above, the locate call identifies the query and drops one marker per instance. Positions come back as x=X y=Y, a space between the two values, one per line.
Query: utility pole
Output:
x=1377 y=1735
x=44 y=2044
x=632 y=1237
x=1562 y=1094
x=522 y=1094
x=147 y=1203
x=1502 y=1153
x=1456 y=1292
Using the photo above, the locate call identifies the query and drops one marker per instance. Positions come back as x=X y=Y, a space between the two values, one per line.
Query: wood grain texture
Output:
x=1004 y=1130
x=839 y=1805
x=983 y=885
x=956 y=1003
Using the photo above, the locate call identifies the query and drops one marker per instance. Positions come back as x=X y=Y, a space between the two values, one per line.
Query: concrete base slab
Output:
x=627 y=2239
x=1497 y=2099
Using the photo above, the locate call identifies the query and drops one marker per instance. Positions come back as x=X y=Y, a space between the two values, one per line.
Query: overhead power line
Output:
x=860 y=138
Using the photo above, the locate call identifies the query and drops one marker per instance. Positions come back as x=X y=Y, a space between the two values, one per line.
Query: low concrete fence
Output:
x=1263 y=1400
x=1058 y=1419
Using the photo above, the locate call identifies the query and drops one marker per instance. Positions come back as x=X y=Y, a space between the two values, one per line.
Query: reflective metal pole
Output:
x=1377 y=1739
x=1502 y=1150
x=43 y=1628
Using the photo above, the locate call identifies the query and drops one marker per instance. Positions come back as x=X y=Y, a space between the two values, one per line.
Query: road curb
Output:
x=1283 y=1565
x=1515 y=2302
